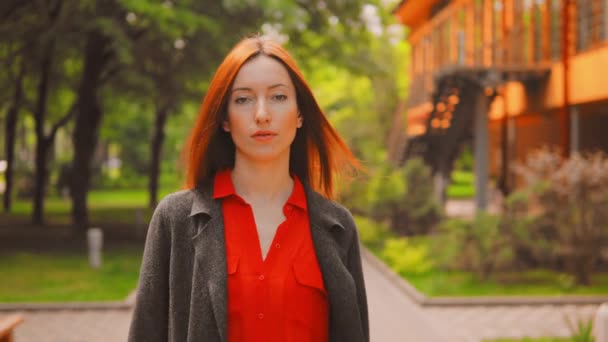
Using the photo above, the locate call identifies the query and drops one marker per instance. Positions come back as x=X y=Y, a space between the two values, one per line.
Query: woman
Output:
x=255 y=249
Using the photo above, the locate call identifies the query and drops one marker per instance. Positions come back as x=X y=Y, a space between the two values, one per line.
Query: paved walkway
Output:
x=477 y=323
x=393 y=318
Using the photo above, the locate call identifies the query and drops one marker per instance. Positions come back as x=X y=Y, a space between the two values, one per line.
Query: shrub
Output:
x=530 y=238
x=404 y=197
x=371 y=233
x=480 y=245
x=406 y=258
x=567 y=209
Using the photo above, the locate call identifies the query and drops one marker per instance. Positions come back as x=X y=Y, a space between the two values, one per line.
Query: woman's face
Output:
x=262 y=111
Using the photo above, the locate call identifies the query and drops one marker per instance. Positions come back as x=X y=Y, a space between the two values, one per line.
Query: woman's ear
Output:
x=300 y=120
x=226 y=126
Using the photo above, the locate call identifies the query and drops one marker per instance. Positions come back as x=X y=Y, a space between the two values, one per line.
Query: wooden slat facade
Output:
x=539 y=62
x=487 y=33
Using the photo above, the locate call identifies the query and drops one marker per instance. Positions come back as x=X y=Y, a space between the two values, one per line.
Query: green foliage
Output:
x=460 y=191
x=401 y=196
x=440 y=280
x=126 y=179
x=162 y=54
x=424 y=210
x=386 y=190
x=406 y=258
x=465 y=160
x=371 y=233
x=480 y=245
x=463 y=177
x=582 y=330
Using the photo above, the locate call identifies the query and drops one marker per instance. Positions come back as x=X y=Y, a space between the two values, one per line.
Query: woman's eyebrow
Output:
x=270 y=87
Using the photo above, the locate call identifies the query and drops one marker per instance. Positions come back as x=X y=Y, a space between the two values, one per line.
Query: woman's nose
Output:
x=261 y=113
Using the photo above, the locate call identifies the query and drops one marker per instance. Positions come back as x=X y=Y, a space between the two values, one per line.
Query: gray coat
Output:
x=182 y=292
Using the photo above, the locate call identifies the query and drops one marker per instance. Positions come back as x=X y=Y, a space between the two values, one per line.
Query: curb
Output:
x=448 y=301
x=71 y=306
x=127 y=304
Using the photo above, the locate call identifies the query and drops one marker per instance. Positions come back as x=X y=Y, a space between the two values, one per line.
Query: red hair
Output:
x=317 y=155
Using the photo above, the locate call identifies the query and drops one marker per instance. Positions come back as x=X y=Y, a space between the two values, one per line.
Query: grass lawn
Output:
x=66 y=276
x=534 y=282
x=114 y=206
x=50 y=276
x=462 y=185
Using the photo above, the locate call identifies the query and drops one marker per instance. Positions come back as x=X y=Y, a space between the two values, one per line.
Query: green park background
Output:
x=99 y=97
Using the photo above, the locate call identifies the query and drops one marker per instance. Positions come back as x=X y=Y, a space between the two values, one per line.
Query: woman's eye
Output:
x=241 y=100
x=279 y=97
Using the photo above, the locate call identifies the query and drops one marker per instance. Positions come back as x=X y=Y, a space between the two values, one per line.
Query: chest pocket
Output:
x=308 y=300
x=308 y=274
x=235 y=300
x=233 y=264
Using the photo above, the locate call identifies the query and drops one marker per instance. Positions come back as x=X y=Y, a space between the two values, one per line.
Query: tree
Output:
x=10 y=130
x=173 y=54
x=35 y=29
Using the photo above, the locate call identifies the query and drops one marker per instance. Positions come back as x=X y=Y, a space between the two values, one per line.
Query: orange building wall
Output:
x=587 y=85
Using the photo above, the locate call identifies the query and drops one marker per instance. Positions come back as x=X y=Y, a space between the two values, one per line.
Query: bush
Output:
x=480 y=246
x=567 y=209
x=128 y=179
x=371 y=233
x=404 y=197
x=405 y=258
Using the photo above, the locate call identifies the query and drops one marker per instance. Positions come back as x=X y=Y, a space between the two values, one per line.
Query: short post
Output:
x=600 y=323
x=95 y=241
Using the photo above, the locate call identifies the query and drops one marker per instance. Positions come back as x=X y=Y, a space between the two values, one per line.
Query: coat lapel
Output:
x=210 y=253
x=325 y=227
x=329 y=240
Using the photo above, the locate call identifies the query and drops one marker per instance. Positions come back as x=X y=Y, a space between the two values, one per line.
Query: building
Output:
x=506 y=75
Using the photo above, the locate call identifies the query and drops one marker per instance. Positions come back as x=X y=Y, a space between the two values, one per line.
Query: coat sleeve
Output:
x=356 y=270
x=150 y=316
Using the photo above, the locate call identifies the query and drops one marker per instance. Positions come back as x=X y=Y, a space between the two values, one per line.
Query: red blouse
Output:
x=280 y=298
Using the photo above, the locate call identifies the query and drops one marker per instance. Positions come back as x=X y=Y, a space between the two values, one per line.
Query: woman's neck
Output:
x=257 y=182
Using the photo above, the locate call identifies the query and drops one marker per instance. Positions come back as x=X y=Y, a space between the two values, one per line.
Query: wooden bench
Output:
x=7 y=325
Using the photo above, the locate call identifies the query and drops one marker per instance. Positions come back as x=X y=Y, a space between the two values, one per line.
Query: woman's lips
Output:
x=264 y=135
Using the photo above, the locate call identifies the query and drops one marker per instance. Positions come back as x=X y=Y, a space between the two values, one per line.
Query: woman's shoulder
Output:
x=177 y=199
x=176 y=203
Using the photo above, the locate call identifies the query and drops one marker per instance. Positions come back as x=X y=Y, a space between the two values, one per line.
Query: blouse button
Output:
x=261 y=277
x=261 y=316
x=278 y=245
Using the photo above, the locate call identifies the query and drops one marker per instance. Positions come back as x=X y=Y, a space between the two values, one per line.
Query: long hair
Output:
x=317 y=155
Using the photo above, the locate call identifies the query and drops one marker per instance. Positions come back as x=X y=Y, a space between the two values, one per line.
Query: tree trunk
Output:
x=9 y=139
x=86 y=128
x=157 y=145
x=41 y=147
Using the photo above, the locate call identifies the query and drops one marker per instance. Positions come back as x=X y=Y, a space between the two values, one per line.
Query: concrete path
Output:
x=472 y=324
x=73 y=326
x=394 y=317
